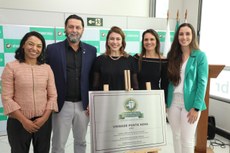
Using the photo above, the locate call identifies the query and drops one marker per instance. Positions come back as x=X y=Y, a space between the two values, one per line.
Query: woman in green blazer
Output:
x=188 y=76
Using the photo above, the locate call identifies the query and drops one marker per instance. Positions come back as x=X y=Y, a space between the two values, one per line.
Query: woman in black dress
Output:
x=152 y=67
x=109 y=67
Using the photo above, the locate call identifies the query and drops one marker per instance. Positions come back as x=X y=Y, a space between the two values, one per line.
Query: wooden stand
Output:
x=148 y=150
x=202 y=128
x=127 y=80
x=105 y=87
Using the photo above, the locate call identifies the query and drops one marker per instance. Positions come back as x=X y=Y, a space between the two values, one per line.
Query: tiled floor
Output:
x=4 y=146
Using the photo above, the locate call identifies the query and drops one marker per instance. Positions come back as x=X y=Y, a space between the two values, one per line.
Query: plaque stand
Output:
x=128 y=88
x=148 y=150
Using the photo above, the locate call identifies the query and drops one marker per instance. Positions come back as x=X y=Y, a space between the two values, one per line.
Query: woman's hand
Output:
x=41 y=120
x=29 y=126
x=192 y=116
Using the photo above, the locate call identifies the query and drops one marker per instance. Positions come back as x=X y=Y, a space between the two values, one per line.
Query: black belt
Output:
x=72 y=99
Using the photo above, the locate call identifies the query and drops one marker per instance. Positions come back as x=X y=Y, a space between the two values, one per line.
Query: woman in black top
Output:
x=109 y=67
x=152 y=67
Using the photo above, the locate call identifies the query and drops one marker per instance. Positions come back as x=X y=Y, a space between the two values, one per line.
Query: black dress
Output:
x=110 y=71
x=153 y=70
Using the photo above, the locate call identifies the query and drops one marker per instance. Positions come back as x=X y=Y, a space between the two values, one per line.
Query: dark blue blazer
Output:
x=56 y=58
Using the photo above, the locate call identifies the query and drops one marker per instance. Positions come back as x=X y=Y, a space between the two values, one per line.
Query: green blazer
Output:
x=195 y=82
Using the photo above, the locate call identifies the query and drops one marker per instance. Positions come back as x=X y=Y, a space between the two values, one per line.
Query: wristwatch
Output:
x=196 y=109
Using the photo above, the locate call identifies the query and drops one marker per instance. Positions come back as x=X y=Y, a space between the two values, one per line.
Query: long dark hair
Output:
x=175 y=54
x=143 y=50
x=20 y=54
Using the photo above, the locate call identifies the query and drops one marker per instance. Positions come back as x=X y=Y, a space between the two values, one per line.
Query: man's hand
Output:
x=87 y=111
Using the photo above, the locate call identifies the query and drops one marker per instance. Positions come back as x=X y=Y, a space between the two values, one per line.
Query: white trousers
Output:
x=183 y=131
x=72 y=116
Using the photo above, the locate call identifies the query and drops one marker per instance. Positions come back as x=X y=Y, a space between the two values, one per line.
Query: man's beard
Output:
x=73 y=38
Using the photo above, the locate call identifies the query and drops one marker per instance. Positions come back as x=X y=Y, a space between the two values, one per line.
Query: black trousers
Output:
x=20 y=139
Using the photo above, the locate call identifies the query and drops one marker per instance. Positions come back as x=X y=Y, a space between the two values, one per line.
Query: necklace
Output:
x=115 y=57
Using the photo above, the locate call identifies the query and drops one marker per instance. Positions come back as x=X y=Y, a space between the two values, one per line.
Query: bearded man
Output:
x=71 y=61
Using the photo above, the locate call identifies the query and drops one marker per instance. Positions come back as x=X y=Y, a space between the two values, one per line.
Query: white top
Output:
x=179 y=88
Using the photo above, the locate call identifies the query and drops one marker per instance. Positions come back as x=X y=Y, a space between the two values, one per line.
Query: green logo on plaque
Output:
x=130 y=106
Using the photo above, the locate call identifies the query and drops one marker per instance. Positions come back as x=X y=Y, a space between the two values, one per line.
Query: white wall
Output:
x=182 y=5
x=100 y=7
x=42 y=18
x=27 y=17
x=41 y=12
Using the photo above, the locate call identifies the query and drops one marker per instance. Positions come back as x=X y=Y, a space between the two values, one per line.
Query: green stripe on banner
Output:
x=129 y=35
x=172 y=35
x=60 y=34
x=10 y=45
x=103 y=34
x=132 y=35
x=0 y=86
x=2 y=60
x=94 y=43
x=48 y=33
x=1 y=32
x=162 y=35
x=2 y=116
